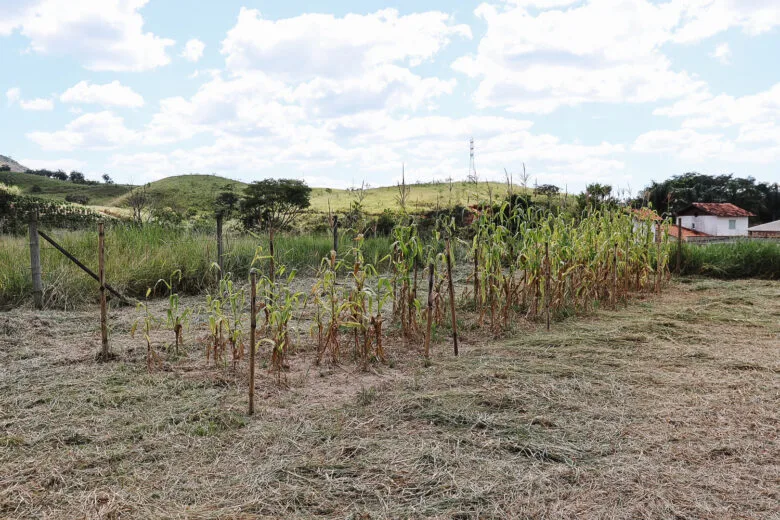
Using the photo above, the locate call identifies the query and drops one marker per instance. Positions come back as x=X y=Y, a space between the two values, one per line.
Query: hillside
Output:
x=182 y=192
x=15 y=166
x=195 y=191
x=99 y=194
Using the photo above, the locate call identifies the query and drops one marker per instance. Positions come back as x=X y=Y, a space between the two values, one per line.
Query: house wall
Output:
x=716 y=226
x=764 y=234
x=740 y=231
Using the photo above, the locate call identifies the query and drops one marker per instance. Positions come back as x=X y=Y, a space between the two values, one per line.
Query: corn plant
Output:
x=177 y=318
x=147 y=322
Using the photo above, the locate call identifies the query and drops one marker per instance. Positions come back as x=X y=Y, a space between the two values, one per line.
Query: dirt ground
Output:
x=668 y=408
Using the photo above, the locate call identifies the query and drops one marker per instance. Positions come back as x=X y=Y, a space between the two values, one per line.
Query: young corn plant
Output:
x=177 y=318
x=146 y=321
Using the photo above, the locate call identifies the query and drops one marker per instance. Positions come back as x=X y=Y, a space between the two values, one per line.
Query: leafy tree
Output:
x=272 y=205
x=226 y=202
x=679 y=191
x=77 y=178
x=60 y=175
x=107 y=179
x=138 y=200
x=596 y=195
x=5 y=168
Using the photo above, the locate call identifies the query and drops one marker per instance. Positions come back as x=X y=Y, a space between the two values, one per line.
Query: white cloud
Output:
x=37 y=104
x=601 y=51
x=313 y=46
x=55 y=164
x=722 y=53
x=93 y=131
x=109 y=94
x=14 y=95
x=104 y=35
x=12 y=13
x=702 y=19
x=193 y=50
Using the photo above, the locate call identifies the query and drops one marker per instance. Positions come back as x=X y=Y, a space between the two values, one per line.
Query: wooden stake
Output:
x=252 y=340
x=430 y=312
x=451 y=287
x=35 y=263
x=102 y=280
x=271 y=265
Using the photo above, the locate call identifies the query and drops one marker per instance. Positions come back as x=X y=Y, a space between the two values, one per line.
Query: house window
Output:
x=732 y=224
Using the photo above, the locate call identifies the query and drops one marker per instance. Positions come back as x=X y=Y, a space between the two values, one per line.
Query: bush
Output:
x=742 y=259
x=77 y=198
x=35 y=189
x=5 y=168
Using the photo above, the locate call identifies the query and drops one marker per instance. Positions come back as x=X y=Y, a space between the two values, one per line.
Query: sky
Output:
x=335 y=93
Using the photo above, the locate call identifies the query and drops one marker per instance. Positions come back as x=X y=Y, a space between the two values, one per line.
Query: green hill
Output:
x=182 y=192
x=99 y=194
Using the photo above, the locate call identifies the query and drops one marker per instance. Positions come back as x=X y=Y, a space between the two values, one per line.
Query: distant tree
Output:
x=679 y=191
x=548 y=190
x=596 y=195
x=272 y=205
x=77 y=178
x=60 y=175
x=107 y=179
x=139 y=199
x=5 y=168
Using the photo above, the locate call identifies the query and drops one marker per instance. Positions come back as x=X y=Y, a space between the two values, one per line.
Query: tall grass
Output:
x=741 y=259
x=136 y=258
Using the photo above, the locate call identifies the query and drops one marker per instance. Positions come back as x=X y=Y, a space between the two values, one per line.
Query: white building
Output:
x=716 y=219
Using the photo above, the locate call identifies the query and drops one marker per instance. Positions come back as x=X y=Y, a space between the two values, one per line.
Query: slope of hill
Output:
x=15 y=166
x=182 y=192
x=195 y=191
x=99 y=194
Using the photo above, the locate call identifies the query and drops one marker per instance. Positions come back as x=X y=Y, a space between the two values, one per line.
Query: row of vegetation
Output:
x=520 y=264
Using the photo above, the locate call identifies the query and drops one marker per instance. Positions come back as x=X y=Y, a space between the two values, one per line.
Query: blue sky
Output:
x=611 y=91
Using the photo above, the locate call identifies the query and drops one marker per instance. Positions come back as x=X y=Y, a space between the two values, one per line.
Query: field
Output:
x=197 y=192
x=665 y=408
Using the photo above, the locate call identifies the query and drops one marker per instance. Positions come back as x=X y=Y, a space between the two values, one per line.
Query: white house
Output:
x=715 y=218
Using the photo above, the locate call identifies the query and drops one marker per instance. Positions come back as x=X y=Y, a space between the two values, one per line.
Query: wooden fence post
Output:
x=102 y=280
x=451 y=287
x=35 y=263
x=252 y=340
x=430 y=312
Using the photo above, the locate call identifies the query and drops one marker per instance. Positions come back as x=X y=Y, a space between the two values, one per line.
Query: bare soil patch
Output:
x=666 y=408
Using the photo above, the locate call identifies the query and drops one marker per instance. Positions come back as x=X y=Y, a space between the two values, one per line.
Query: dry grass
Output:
x=667 y=408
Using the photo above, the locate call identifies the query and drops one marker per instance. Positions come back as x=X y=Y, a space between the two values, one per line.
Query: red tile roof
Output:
x=719 y=209
x=686 y=232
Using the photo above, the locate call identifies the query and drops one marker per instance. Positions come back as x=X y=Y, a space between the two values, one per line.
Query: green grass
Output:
x=99 y=194
x=136 y=258
x=184 y=192
x=742 y=259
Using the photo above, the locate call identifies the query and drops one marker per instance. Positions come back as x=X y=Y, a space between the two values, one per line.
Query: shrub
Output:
x=35 y=189
x=77 y=198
